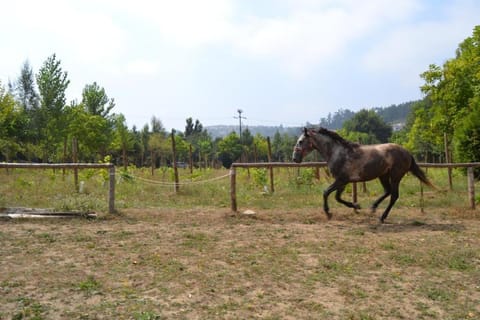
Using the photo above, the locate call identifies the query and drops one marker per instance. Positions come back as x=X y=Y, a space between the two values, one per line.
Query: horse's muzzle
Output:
x=297 y=156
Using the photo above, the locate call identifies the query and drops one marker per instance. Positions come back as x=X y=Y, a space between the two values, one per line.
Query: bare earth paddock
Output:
x=209 y=264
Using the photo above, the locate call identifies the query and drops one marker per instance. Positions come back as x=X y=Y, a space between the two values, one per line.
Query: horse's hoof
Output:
x=356 y=206
x=329 y=215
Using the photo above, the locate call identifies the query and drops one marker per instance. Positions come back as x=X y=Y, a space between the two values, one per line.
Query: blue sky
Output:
x=280 y=61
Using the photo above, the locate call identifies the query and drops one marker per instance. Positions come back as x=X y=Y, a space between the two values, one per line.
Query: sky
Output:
x=282 y=62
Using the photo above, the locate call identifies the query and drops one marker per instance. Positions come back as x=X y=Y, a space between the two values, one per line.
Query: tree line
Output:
x=37 y=124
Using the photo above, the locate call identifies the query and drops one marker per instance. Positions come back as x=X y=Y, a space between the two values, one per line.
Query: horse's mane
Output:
x=336 y=137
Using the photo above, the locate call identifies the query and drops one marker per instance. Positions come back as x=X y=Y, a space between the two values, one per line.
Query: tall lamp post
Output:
x=240 y=117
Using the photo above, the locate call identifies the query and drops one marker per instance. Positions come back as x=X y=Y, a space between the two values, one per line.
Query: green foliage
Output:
x=95 y=100
x=229 y=149
x=306 y=176
x=454 y=93
x=368 y=126
x=467 y=137
x=260 y=176
x=11 y=122
x=91 y=130
x=52 y=83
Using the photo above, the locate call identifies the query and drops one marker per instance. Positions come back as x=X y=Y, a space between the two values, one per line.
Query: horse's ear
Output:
x=305 y=131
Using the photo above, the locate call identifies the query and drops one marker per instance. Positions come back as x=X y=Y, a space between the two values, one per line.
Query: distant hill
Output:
x=395 y=115
x=219 y=131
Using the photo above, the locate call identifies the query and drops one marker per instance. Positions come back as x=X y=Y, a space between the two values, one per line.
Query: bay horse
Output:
x=353 y=162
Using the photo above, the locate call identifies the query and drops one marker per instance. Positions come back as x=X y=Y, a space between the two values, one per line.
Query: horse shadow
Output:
x=415 y=225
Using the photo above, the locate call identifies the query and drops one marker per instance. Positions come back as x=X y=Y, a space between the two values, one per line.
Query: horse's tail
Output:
x=417 y=172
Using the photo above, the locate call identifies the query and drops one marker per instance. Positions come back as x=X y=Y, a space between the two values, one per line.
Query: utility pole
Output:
x=240 y=117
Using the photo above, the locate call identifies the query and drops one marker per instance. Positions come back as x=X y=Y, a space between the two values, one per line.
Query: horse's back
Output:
x=377 y=160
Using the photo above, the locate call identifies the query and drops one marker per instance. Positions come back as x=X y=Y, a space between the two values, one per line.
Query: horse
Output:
x=352 y=162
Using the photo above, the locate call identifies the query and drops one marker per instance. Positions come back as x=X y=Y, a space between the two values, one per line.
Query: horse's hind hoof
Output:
x=329 y=215
x=356 y=206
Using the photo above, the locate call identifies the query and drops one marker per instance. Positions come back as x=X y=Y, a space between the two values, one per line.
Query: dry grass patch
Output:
x=204 y=263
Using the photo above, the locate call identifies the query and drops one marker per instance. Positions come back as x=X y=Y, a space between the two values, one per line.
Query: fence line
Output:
x=74 y=166
x=172 y=184
x=233 y=196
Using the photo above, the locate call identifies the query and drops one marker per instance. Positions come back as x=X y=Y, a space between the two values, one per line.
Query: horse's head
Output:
x=303 y=146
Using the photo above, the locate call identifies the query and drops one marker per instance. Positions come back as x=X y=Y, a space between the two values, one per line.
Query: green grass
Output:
x=294 y=188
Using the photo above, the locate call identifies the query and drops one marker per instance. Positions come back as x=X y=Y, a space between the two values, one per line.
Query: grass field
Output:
x=186 y=256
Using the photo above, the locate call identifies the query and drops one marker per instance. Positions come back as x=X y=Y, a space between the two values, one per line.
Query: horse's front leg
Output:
x=338 y=197
x=326 y=193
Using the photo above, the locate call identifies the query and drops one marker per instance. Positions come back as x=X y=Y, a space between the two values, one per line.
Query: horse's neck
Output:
x=325 y=146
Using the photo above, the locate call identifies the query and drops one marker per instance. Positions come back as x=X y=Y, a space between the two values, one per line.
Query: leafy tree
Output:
x=25 y=90
x=91 y=132
x=467 y=136
x=368 y=126
x=96 y=101
x=261 y=147
x=195 y=135
x=27 y=98
x=336 y=120
x=229 y=149
x=454 y=90
x=52 y=82
x=157 y=143
x=157 y=126
x=205 y=148
x=11 y=125
x=192 y=129
x=124 y=139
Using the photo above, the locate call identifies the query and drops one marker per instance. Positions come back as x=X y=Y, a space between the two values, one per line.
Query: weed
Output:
x=148 y=315
x=90 y=286
x=29 y=309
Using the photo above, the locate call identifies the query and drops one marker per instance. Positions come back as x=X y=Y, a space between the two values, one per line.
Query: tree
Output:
x=91 y=131
x=368 y=126
x=52 y=82
x=229 y=149
x=157 y=126
x=261 y=147
x=96 y=101
x=123 y=138
x=25 y=90
x=192 y=129
x=467 y=137
x=28 y=99
x=454 y=92
x=11 y=125
x=205 y=148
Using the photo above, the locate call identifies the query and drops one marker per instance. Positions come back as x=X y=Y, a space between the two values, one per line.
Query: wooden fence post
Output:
x=471 y=187
x=272 y=185
x=233 y=191
x=174 y=156
x=75 y=160
x=190 y=162
x=448 y=160
x=111 y=190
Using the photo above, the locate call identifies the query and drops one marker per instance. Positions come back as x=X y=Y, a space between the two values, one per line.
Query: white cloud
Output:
x=410 y=48
x=315 y=33
x=142 y=67
x=187 y=23
x=62 y=26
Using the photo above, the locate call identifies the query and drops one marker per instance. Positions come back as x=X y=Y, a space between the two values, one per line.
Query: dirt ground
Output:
x=206 y=263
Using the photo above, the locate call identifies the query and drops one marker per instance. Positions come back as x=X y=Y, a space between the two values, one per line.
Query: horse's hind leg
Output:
x=385 y=180
x=346 y=203
x=393 y=199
